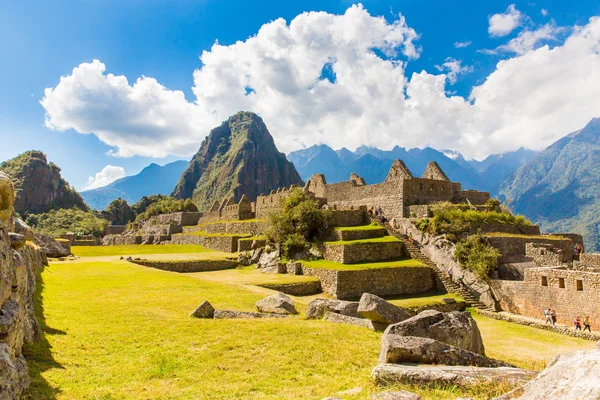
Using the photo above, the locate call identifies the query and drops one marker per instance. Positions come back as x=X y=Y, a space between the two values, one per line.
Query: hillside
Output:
x=239 y=157
x=560 y=188
x=38 y=184
x=154 y=179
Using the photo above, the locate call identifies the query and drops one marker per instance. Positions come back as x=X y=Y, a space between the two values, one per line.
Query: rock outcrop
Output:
x=39 y=186
x=378 y=310
x=52 y=247
x=278 y=303
x=570 y=376
x=18 y=325
x=239 y=157
x=318 y=307
x=345 y=319
x=455 y=328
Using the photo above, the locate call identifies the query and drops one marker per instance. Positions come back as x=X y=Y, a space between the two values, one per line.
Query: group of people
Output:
x=550 y=315
x=378 y=213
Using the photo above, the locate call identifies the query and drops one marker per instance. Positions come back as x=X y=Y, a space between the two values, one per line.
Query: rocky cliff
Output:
x=20 y=262
x=38 y=184
x=239 y=157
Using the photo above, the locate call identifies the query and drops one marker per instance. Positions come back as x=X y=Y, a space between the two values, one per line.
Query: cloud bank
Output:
x=340 y=80
x=504 y=23
x=108 y=175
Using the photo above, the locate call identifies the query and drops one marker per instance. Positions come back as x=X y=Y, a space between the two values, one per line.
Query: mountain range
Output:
x=154 y=179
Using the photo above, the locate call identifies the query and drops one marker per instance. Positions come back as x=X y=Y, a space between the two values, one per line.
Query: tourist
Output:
x=380 y=210
x=450 y=272
x=547 y=313
x=579 y=249
x=410 y=238
x=371 y=212
x=577 y=323
x=553 y=316
x=587 y=324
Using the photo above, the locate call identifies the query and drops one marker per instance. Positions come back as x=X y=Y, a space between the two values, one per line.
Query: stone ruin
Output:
x=20 y=264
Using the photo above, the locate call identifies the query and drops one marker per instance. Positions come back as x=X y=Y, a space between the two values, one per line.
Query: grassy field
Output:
x=129 y=250
x=420 y=300
x=326 y=264
x=115 y=330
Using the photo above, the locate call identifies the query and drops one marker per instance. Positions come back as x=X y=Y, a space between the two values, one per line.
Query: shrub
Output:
x=300 y=222
x=119 y=212
x=166 y=206
x=57 y=222
x=475 y=254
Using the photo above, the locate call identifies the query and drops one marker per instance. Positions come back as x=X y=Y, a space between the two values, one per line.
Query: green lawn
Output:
x=360 y=228
x=519 y=235
x=385 y=239
x=203 y=233
x=116 y=330
x=326 y=264
x=126 y=250
x=425 y=299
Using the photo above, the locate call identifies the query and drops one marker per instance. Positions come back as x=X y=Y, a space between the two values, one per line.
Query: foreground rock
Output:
x=226 y=314
x=378 y=310
x=204 y=310
x=51 y=247
x=443 y=375
x=269 y=262
x=363 y=322
x=318 y=307
x=16 y=240
x=398 y=349
x=23 y=229
x=399 y=395
x=570 y=376
x=278 y=303
x=455 y=328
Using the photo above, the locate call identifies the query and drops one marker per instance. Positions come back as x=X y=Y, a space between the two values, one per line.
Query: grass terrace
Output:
x=129 y=250
x=423 y=299
x=517 y=235
x=326 y=264
x=231 y=220
x=203 y=233
x=370 y=227
x=385 y=239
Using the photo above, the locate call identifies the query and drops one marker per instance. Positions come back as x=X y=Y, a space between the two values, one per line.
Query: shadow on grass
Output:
x=39 y=354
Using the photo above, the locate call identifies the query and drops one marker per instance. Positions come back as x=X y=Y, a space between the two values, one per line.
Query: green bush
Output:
x=300 y=222
x=455 y=219
x=166 y=206
x=475 y=254
x=57 y=222
x=119 y=212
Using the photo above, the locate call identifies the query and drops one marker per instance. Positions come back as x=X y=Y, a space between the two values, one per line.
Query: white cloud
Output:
x=460 y=45
x=454 y=69
x=504 y=23
x=544 y=12
x=528 y=40
x=109 y=174
x=530 y=100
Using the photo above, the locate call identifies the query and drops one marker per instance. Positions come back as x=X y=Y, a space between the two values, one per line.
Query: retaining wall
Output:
x=590 y=259
x=362 y=252
x=359 y=234
x=188 y=265
x=516 y=246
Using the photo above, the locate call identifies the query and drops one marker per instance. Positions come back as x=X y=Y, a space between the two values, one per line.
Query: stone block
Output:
x=378 y=310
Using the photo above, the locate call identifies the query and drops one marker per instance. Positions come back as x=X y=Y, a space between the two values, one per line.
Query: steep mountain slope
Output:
x=504 y=164
x=239 y=157
x=154 y=179
x=560 y=188
x=38 y=184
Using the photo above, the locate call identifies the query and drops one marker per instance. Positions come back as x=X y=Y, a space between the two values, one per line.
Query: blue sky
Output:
x=44 y=40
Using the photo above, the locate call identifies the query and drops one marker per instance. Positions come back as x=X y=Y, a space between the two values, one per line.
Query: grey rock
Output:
x=378 y=310
x=278 y=303
x=399 y=395
x=443 y=375
x=269 y=262
x=569 y=376
x=51 y=247
x=256 y=254
x=244 y=259
x=318 y=307
x=455 y=328
x=227 y=314
x=398 y=349
x=204 y=310
x=23 y=229
x=255 y=245
x=344 y=319
x=449 y=300
x=16 y=240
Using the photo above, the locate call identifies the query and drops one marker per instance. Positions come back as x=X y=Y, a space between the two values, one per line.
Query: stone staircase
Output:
x=449 y=285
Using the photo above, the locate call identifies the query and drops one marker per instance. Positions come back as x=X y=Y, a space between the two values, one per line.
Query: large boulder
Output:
x=7 y=201
x=378 y=310
x=204 y=310
x=278 y=303
x=443 y=375
x=345 y=319
x=51 y=247
x=396 y=349
x=455 y=328
x=269 y=262
x=318 y=307
x=23 y=229
x=227 y=314
x=255 y=255
x=570 y=376
x=17 y=240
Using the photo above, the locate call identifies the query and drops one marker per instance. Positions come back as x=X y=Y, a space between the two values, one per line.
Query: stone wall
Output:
x=182 y=238
x=266 y=204
x=349 y=217
x=475 y=197
x=180 y=218
x=114 y=229
x=245 y=244
x=226 y=243
x=571 y=293
x=359 y=234
x=118 y=240
x=420 y=211
x=590 y=259
x=295 y=289
x=545 y=255
x=381 y=281
x=362 y=252
x=188 y=265
x=94 y=242
x=511 y=246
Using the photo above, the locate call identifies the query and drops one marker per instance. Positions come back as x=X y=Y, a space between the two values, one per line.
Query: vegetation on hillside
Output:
x=300 y=222
x=64 y=220
x=166 y=205
x=455 y=219
x=119 y=212
x=475 y=254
